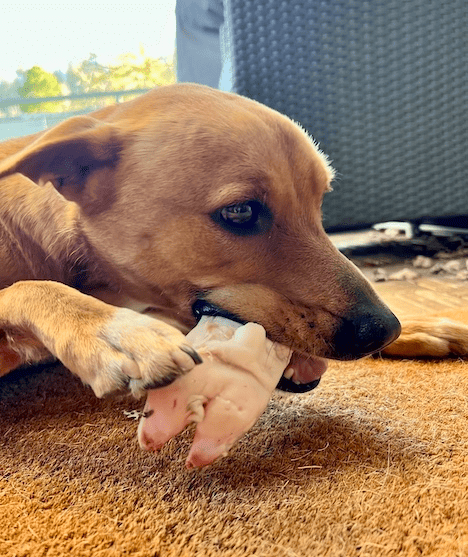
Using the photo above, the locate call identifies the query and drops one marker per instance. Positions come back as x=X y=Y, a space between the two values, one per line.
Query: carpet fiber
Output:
x=372 y=463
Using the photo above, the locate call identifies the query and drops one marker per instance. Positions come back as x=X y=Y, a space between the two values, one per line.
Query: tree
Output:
x=89 y=76
x=8 y=90
x=40 y=83
x=129 y=71
x=132 y=71
x=72 y=80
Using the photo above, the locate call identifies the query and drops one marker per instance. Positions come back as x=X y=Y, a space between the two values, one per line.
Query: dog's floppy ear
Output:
x=67 y=155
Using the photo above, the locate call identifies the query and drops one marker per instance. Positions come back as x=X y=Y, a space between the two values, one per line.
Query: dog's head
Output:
x=197 y=198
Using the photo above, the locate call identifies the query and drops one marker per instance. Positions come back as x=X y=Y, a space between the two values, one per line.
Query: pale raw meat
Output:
x=226 y=394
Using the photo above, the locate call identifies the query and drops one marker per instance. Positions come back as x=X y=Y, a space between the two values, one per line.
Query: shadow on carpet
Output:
x=374 y=462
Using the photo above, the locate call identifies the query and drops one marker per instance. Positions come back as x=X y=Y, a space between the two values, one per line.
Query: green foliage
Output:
x=40 y=83
x=133 y=71
x=128 y=71
x=90 y=75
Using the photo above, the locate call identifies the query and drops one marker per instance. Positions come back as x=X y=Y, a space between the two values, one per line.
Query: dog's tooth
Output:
x=288 y=373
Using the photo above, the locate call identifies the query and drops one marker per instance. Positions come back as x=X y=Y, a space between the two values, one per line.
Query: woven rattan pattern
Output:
x=381 y=85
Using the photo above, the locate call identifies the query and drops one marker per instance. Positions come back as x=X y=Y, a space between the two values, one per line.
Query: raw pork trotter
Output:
x=225 y=395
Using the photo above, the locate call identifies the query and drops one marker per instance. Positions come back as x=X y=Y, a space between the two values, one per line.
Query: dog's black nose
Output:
x=365 y=334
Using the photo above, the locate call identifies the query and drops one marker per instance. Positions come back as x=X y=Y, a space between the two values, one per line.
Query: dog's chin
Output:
x=303 y=372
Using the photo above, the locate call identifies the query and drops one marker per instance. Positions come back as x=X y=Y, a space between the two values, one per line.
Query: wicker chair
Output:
x=381 y=85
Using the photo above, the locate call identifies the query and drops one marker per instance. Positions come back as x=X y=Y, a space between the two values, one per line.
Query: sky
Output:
x=53 y=34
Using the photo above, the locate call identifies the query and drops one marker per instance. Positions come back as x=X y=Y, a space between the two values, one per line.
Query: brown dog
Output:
x=183 y=198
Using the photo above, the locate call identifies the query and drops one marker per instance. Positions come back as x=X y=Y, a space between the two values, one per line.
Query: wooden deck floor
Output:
x=423 y=296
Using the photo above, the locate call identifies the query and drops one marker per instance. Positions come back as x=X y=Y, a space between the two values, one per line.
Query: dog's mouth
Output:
x=303 y=372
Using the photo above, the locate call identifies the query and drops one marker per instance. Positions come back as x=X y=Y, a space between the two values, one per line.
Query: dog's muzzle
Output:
x=311 y=367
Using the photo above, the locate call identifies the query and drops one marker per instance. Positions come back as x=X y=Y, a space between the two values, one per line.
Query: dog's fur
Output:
x=111 y=220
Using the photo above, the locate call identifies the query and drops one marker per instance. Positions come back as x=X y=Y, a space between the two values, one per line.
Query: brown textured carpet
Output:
x=372 y=463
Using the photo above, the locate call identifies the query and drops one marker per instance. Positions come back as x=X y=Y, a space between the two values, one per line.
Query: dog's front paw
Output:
x=131 y=351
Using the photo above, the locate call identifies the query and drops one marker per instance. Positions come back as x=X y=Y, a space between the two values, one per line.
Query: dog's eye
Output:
x=248 y=217
x=241 y=213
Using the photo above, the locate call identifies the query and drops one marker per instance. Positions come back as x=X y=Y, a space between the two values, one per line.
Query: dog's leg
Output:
x=430 y=337
x=107 y=347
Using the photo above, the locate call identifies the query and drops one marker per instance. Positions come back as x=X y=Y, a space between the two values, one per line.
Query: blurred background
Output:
x=55 y=49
